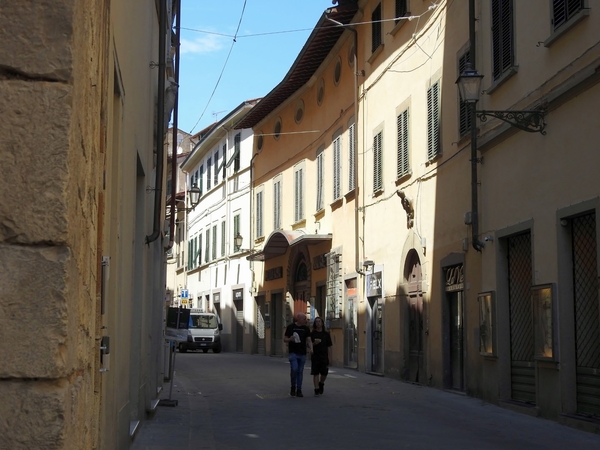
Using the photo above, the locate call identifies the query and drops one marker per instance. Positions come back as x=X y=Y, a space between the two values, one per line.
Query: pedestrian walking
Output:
x=321 y=356
x=297 y=336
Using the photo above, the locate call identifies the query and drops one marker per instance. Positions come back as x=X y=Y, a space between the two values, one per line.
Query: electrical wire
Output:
x=236 y=36
x=223 y=69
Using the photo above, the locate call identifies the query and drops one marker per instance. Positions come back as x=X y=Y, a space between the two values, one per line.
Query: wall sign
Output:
x=274 y=273
x=374 y=287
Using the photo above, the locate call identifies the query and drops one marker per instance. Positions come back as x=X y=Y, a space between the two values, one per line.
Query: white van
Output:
x=204 y=332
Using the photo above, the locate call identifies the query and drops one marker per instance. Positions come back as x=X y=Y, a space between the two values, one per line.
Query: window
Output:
x=299 y=111
x=377 y=166
x=433 y=121
x=502 y=37
x=277 y=203
x=207 y=247
x=208 y=173
x=298 y=194
x=403 y=166
x=401 y=9
x=214 y=242
x=376 y=28
x=564 y=10
x=464 y=111
x=236 y=231
x=237 y=142
x=277 y=129
x=259 y=214
x=337 y=72
x=320 y=181
x=200 y=180
x=223 y=238
x=216 y=172
x=351 y=157
x=337 y=168
x=320 y=91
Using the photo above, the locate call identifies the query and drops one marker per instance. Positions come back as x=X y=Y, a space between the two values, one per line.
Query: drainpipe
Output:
x=160 y=131
x=477 y=244
x=356 y=188
x=174 y=164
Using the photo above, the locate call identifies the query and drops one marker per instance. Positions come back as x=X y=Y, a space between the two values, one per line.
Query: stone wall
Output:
x=51 y=80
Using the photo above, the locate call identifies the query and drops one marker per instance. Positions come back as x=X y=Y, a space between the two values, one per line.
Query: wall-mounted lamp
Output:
x=469 y=85
x=237 y=242
x=194 y=194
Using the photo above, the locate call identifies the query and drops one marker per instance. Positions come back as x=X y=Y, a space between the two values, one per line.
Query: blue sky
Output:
x=270 y=36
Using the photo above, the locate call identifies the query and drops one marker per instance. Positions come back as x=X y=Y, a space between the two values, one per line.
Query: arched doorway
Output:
x=413 y=276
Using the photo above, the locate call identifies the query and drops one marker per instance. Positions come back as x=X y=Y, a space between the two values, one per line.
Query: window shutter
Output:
x=403 y=167
x=201 y=181
x=237 y=143
x=464 y=114
x=259 y=214
x=216 y=180
x=377 y=168
x=223 y=238
x=224 y=160
x=277 y=205
x=433 y=121
x=298 y=210
x=351 y=156
x=189 y=262
x=401 y=9
x=207 y=247
x=236 y=230
x=502 y=37
x=376 y=28
x=208 y=174
x=563 y=10
x=199 y=255
x=195 y=252
x=214 y=242
x=320 y=169
x=337 y=168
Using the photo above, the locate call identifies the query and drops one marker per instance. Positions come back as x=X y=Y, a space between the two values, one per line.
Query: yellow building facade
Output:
x=456 y=262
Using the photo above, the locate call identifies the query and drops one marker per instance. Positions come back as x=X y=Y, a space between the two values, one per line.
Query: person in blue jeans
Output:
x=297 y=336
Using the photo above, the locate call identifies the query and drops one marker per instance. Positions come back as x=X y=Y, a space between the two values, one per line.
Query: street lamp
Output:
x=194 y=193
x=237 y=242
x=469 y=86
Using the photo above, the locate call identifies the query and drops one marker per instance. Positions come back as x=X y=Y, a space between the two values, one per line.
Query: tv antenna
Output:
x=216 y=113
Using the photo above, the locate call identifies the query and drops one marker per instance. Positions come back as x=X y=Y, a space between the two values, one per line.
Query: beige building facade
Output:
x=82 y=253
x=459 y=263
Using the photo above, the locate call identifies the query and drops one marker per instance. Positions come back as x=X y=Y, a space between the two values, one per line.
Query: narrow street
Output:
x=237 y=401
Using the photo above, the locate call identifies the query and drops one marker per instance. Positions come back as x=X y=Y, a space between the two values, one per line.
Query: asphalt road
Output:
x=236 y=401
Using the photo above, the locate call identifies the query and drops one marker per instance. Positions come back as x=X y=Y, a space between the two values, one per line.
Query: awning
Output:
x=279 y=241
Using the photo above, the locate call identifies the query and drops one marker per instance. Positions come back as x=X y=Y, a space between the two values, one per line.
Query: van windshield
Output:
x=203 y=321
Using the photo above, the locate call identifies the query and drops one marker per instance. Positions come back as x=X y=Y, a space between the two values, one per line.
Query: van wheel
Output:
x=182 y=349
x=217 y=350
x=205 y=350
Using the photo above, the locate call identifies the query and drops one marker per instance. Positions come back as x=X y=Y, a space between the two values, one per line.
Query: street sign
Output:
x=185 y=293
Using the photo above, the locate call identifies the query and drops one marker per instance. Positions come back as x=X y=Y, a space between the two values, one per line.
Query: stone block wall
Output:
x=52 y=78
